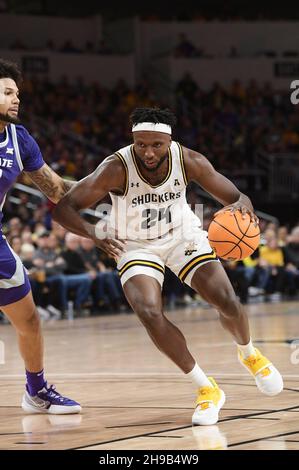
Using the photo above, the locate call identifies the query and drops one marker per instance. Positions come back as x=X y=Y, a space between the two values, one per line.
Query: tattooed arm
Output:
x=51 y=184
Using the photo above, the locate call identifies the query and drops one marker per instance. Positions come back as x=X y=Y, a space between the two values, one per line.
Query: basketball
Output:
x=232 y=236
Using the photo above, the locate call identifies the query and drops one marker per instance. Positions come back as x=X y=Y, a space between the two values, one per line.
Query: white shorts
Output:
x=182 y=256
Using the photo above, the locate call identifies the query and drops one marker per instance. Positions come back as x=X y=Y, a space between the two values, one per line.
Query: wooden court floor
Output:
x=135 y=398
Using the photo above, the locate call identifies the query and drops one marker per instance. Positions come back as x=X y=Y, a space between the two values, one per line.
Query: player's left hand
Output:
x=238 y=206
x=114 y=248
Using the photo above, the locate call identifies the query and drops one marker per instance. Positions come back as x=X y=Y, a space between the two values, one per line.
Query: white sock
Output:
x=246 y=349
x=198 y=376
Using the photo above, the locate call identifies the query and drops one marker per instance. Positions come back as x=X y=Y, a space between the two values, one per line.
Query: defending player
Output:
x=19 y=152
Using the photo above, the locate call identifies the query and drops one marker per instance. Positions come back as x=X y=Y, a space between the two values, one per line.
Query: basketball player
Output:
x=156 y=228
x=20 y=152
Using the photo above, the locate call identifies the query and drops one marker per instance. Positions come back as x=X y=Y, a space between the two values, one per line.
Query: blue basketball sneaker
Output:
x=48 y=400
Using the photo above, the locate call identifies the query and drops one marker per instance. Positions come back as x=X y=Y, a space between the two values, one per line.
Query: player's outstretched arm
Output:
x=109 y=176
x=201 y=171
x=50 y=183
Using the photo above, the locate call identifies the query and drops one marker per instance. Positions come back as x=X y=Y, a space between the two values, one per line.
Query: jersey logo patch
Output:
x=176 y=182
x=191 y=248
x=134 y=184
x=10 y=150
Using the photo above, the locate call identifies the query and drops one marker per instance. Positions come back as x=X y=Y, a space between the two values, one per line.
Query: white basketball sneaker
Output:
x=208 y=403
x=267 y=377
x=49 y=401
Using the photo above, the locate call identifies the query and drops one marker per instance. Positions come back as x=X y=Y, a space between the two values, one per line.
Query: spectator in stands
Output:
x=16 y=244
x=292 y=247
x=59 y=232
x=76 y=276
x=282 y=235
x=48 y=258
x=239 y=276
x=291 y=250
x=107 y=287
x=271 y=265
x=14 y=227
x=187 y=87
x=26 y=235
x=184 y=47
x=37 y=277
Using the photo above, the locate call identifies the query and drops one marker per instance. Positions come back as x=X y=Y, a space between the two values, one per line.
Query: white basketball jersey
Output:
x=146 y=211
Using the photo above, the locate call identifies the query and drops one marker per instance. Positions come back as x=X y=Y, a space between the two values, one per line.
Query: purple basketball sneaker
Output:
x=48 y=400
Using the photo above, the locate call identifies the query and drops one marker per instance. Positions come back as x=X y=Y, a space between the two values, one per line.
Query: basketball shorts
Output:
x=14 y=282
x=183 y=256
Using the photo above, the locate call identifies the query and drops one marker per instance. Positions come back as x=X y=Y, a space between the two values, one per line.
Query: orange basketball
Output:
x=232 y=237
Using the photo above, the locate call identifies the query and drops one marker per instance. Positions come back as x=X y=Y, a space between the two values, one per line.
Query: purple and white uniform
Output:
x=18 y=152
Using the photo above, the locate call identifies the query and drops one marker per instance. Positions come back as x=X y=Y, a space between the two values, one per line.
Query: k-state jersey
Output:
x=18 y=151
x=147 y=211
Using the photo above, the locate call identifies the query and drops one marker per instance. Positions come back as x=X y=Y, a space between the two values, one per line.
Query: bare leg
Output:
x=144 y=295
x=25 y=319
x=212 y=283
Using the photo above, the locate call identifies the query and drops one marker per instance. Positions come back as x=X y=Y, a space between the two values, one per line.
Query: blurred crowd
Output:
x=78 y=125
x=272 y=272
x=66 y=271
x=230 y=126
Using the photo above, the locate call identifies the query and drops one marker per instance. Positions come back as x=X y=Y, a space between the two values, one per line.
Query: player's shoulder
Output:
x=194 y=163
x=29 y=150
x=124 y=150
x=113 y=164
x=22 y=132
x=124 y=156
x=192 y=155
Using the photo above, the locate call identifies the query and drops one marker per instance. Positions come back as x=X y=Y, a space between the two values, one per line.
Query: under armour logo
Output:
x=176 y=182
x=9 y=150
x=134 y=184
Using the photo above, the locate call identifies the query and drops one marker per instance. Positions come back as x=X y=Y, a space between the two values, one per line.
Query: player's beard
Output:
x=156 y=167
x=7 y=118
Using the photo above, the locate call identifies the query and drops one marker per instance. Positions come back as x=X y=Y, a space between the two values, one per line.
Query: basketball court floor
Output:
x=135 y=398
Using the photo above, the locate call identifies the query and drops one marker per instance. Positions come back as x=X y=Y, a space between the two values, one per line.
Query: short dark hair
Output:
x=163 y=116
x=10 y=70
